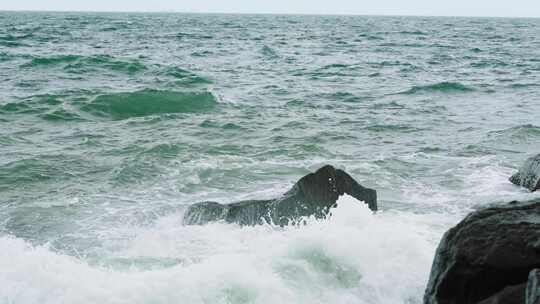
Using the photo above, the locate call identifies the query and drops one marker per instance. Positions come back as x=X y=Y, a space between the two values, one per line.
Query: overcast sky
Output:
x=514 y=8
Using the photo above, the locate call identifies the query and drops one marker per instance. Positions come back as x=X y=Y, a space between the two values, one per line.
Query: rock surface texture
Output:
x=487 y=257
x=528 y=175
x=313 y=195
x=532 y=293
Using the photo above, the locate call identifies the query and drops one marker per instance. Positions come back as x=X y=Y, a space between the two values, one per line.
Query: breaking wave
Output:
x=354 y=257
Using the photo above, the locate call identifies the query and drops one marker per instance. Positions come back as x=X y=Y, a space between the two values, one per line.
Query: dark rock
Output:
x=490 y=250
x=313 y=195
x=528 y=175
x=509 y=295
x=533 y=287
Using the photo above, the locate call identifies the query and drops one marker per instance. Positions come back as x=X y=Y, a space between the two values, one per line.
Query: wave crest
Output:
x=441 y=87
x=520 y=132
x=81 y=64
x=149 y=102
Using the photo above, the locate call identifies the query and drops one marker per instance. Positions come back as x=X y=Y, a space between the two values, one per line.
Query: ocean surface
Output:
x=111 y=124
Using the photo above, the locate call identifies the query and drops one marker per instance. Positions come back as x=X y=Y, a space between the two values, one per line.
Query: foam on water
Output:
x=353 y=257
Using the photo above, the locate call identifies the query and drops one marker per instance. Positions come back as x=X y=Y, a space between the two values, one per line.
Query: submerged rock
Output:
x=487 y=257
x=528 y=175
x=532 y=294
x=313 y=195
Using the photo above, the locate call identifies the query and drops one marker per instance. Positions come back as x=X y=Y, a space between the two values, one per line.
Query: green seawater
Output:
x=111 y=124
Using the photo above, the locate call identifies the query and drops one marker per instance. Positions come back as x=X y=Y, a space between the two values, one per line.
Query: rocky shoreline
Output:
x=490 y=257
x=493 y=255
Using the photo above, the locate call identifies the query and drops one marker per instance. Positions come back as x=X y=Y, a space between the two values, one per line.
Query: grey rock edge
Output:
x=532 y=294
x=528 y=175
x=487 y=258
x=313 y=195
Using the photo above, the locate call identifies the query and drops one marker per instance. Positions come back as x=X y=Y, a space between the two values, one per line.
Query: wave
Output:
x=213 y=124
x=5 y=56
x=518 y=132
x=269 y=52
x=395 y=44
x=391 y=128
x=343 y=97
x=491 y=63
x=296 y=103
x=32 y=105
x=414 y=33
x=53 y=60
x=393 y=105
x=149 y=102
x=335 y=66
x=82 y=64
x=16 y=108
x=12 y=41
x=165 y=150
x=431 y=150
x=371 y=37
x=57 y=107
x=441 y=87
x=184 y=77
x=39 y=169
x=391 y=63
x=221 y=263
x=514 y=140
x=524 y=85
x=60 y=115
x=202 y=54
x=130 y=66
x=8 y=38
x=332 y=71
x=194 y=36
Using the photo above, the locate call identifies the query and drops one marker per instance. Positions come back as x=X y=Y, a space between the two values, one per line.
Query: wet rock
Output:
x=528 y=175
x=313 y=195
x=533 y=288
x=487 y=255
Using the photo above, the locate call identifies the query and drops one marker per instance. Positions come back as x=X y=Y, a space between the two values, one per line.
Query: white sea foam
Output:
x=353 y=257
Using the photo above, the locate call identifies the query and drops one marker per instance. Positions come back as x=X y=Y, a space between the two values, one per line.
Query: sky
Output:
x=495 y=8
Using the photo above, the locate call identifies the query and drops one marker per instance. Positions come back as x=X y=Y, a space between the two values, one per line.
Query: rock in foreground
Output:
x=528 y=175
x=313 y=195
x=487 y=257
x=533 y=288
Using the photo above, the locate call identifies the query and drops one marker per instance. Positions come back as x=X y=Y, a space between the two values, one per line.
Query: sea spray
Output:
x=355 y=256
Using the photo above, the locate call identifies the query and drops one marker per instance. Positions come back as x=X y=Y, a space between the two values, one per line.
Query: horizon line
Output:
x=259 y=13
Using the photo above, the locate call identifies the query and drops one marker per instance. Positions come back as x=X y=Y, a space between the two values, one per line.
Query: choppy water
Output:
x=111 y=124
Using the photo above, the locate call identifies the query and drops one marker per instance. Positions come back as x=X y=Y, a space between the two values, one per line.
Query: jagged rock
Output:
x=313 y=195
x=532 y=295
x=528 y=175
x=488 y=254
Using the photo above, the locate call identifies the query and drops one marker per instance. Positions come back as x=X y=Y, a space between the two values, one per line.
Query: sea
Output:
x=111 y=124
